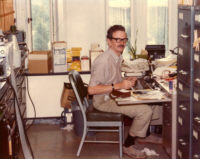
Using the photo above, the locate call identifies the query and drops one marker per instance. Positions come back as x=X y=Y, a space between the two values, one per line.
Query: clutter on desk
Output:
x=120 y=93
x=136 y=67
x=59 y=56
x=165 y=72
x=155 y=52
x=148 y=94
x=170 y=60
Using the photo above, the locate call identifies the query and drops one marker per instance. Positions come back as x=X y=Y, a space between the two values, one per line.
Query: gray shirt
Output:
x=106 y=69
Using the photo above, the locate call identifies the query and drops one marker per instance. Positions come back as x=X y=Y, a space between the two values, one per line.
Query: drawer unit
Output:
x=9 y=134
x=188 y=85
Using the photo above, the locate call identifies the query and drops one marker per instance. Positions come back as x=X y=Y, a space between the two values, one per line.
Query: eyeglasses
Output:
x=118 y=40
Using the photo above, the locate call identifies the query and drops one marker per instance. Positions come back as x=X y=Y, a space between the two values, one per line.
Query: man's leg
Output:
x=141 y=115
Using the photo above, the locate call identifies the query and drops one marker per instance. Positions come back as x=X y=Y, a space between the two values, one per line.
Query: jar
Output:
x=85 y=63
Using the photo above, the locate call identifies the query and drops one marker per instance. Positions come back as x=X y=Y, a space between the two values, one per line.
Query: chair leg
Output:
x=81 y=143
x=123 y=133
x=120 y=140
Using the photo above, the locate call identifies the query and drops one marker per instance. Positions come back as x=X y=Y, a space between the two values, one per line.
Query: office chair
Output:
x=94 y=119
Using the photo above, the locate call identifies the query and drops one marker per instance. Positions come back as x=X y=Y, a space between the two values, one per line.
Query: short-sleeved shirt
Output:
x=106 y=69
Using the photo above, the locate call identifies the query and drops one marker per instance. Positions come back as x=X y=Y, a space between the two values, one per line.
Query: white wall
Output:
x=85 y=23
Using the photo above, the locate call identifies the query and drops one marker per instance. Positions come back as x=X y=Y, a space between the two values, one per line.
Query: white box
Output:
x=59 y=56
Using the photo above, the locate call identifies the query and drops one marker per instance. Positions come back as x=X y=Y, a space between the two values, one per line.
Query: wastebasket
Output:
x=78 y=118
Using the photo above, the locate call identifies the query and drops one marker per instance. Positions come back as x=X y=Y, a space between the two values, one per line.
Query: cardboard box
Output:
x=59 y=56
x=40 y=62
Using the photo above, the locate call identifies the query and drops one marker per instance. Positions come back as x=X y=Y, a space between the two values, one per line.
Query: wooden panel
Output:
x=6 y=14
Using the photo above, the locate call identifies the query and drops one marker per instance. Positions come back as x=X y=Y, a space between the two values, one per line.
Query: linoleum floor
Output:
x=51 y=142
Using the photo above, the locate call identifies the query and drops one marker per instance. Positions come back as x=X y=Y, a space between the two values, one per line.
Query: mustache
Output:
x=121 y=46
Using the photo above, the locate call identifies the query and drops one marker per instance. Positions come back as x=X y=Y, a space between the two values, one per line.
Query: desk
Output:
x=169 y=116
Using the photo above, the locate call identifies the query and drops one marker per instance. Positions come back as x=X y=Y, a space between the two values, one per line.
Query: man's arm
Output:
x=101 y=89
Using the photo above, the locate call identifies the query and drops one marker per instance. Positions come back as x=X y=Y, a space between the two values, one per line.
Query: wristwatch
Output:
x=113 y=88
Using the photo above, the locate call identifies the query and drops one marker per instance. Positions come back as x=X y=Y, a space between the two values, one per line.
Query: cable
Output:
x=28 y=146
x=27 y=83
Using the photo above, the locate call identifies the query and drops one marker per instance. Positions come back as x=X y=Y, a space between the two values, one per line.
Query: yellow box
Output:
x=76 y=53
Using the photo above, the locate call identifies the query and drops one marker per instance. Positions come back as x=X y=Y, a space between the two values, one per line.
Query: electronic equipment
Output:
x=155 y=51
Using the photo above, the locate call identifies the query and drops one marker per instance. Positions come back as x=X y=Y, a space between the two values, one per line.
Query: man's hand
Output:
x=132 y=79
x=126 y=84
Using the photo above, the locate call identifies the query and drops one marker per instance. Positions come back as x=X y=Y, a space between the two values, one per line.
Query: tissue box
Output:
x=40 y=62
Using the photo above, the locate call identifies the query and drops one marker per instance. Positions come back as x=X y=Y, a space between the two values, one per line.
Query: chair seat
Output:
x=96 y=115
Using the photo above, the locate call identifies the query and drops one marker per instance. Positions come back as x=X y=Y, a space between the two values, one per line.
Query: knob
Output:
x=197 y=80
x=183 y=143
x=183 y=72
x=184 y=36
x=196 y=156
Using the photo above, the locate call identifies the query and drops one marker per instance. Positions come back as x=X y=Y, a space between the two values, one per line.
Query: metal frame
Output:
x=83 y=104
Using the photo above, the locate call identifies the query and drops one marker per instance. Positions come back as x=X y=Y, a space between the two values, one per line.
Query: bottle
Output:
x=171 y=86
x=85 y=63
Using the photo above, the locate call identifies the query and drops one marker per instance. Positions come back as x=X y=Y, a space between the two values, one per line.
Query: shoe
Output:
x=152 y=139
x=134 y=153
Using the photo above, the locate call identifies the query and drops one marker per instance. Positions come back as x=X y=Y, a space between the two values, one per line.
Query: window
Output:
x=119 y=13
x=148 y=19
x=157 y=22
x=41 y=38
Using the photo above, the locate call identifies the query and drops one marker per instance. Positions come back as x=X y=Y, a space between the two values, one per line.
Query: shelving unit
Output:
x=9 y=135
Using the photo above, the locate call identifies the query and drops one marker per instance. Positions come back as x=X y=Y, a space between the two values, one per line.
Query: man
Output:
x=105 y=77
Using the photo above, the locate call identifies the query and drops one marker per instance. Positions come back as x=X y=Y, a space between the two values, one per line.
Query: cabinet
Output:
x=188 y=84
x=9 y=136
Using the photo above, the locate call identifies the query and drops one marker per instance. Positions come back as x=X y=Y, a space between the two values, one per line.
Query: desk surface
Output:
x=132 y=100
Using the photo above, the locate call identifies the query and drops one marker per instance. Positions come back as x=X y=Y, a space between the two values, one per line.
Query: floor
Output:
x=50 y=141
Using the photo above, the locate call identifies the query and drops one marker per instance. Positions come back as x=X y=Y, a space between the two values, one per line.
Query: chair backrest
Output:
x=80 y=91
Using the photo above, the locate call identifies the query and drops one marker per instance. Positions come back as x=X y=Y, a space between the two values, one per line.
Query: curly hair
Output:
x=113 y=29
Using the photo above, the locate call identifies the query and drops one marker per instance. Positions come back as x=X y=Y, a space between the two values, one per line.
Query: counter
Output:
x=45 y=91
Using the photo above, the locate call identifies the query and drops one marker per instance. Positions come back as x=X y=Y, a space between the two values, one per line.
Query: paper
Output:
x=148 y=94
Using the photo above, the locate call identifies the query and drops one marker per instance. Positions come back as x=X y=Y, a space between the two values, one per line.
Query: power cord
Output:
x=25 y=141
x=33 y=119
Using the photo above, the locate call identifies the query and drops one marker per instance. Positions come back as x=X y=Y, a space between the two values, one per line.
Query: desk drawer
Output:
x=196 y=121
x=167 y=112
x=196 y=70
x=183 y=63
x=195 y=142
x=196 y=101
x=183 y=96
x=183 y=150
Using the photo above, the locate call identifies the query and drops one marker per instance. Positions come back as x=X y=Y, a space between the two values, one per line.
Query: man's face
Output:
x=118 y=42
